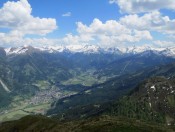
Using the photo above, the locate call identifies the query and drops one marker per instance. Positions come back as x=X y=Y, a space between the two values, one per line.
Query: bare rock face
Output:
x=2 y=52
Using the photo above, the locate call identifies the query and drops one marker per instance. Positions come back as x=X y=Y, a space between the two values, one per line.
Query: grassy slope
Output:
x=102 y=124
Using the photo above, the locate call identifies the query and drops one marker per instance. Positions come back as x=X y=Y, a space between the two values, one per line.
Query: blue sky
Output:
x=84 y=11
x=101 y=22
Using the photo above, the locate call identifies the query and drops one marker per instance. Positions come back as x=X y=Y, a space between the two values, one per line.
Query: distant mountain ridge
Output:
x=91 y=49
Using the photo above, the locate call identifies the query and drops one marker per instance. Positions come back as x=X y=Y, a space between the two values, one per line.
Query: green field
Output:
x=14 y=115
x=21 y=111
x=85 y=79
x=38 y=108
x=43 y=84
x=22 y=106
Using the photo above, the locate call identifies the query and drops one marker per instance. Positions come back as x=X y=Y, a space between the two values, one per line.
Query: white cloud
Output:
x=108 y=33
x=97 y=27
x=153 y=21
x=138 y=6
x=17 y=17
x=164 y=43
x=142 y=35
x=68 y=14
x=15 y=41
x=171 y=37
x=70 y=39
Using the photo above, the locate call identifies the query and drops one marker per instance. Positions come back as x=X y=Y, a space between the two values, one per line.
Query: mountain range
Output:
x=70 y=83
x=88 y=49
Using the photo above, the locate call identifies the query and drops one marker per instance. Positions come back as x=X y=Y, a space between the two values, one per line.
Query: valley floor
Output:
x=37 y=104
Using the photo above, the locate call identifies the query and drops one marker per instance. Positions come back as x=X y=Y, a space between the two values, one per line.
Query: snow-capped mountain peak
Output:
x=20 y=50
x=136 y=49
x=168 y=52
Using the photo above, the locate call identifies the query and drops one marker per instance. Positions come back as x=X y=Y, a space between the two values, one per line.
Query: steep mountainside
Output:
x=6 y=80
x=152 y=100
